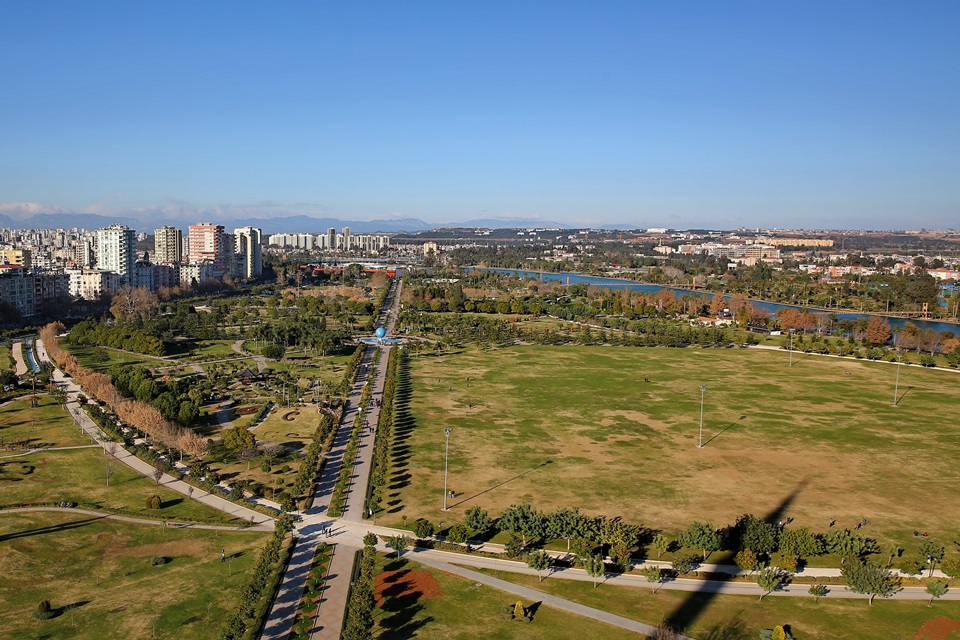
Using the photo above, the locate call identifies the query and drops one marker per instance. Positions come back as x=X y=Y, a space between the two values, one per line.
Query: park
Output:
x=616 y=432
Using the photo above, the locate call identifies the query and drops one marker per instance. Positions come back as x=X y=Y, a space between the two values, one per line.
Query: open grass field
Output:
x=93 y=357
x=46 y=425
x=79 y=475
x=741 y=617
x=104 y=569
x=581 y=426
x=417 y=601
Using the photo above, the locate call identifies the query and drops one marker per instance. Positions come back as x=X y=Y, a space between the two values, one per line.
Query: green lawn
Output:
x=79 y=475
x=580 y=426
x=104 y=568
x=102 y=358
x=47 y=424
x=6 y=358
x=453 y=608
x=213 y=350
x=741 y=617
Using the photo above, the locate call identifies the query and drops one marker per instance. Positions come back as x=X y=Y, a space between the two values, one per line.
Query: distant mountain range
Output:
x=35 y=216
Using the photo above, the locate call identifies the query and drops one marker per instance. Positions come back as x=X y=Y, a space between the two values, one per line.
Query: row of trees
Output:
x=139 y=415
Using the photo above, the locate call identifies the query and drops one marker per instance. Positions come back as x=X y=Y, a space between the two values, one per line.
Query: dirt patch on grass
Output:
x=406 y=584
x=937 y=629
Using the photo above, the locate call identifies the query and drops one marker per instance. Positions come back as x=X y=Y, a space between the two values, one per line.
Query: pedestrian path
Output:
x=89 y=427
x=333 y=603
x=329 y=623
x=113 y=516
x=21 y=365
x=539 y=596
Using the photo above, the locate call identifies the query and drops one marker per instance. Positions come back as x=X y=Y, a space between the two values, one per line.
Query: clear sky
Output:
x=717 y=113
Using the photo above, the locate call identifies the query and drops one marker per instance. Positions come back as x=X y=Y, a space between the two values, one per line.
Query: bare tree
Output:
x=108 y=468
x=157 y=472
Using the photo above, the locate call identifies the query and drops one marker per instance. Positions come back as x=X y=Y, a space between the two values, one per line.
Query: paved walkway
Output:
x=260 y=360
x=21 y=365
x=329 y=622
x=547 y=599
x=90 y=428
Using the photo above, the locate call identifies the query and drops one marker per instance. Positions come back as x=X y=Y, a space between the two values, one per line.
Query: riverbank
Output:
x=569 y=278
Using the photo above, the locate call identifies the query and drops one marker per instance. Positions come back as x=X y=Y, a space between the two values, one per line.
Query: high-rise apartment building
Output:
x=116 y=252
x=206 y=244
x=167 y=245
x=249 y=257
x=331 y=239
x=18 y=257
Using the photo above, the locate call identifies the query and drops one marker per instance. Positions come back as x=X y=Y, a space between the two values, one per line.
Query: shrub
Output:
x=265 y=467
x=154 y=502
x=44 y=612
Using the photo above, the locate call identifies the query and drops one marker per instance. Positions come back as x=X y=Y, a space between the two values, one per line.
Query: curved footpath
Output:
x=21 y=365
x=114 y=516
x=89 y=427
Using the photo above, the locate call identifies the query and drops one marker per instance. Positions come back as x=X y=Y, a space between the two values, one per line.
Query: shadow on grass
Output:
x=696 y=603
x=500 y=484
x=724 y=430
x=39 y=531
x=902 y=396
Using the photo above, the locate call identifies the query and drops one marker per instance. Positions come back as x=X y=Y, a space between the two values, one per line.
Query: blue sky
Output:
x=681 y=114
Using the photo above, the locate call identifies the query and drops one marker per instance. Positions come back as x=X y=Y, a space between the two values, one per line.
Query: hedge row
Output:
x=349 y=454
x=256 y=596
x=396 y=365
x=307 y=473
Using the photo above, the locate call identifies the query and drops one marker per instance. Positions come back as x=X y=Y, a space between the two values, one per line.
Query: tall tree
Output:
x=539 y=561
x=770 y=579
x=936 y=588
x=595 y=567
x=878 y=330
x=703 y=536
x=478 y=520
x=524 y=520
x=932 y=552
x=869 y=579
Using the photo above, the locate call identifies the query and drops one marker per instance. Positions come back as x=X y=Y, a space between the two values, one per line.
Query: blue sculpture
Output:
x=380 y=332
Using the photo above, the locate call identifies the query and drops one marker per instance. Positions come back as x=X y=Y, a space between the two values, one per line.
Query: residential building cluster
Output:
x=345 y=242
x=44 y=268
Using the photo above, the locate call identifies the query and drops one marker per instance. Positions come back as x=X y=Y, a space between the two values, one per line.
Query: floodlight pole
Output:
x=791 y=347
x=446 y=459
x=896 y=384
x=703 y=390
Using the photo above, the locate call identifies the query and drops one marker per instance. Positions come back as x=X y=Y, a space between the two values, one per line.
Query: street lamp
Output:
x=896 y=384
x=703 y=390
x=791 y=347
x=446 y=459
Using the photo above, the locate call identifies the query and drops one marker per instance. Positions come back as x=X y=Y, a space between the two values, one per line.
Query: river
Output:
x=772 y=307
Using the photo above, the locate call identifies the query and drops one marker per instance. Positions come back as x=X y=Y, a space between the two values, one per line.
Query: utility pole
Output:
x=703 y=390
x=446 y=459
x=896 y=384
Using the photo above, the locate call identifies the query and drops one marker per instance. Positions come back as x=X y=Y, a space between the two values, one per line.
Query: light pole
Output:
x=791 y=347
x=703 y=390
x=446 y=459
x=896 y=384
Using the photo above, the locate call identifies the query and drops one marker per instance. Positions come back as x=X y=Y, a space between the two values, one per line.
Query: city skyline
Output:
x=749 y=114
